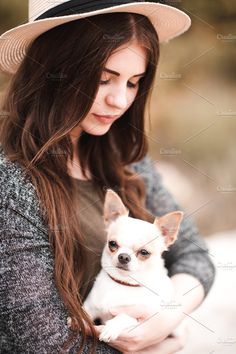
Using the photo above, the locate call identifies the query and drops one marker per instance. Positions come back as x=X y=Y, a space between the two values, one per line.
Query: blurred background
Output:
x=192 y=140
x=193 y=113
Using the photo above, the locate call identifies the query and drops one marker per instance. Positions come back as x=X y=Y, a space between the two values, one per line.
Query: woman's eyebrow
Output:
x=118 y=74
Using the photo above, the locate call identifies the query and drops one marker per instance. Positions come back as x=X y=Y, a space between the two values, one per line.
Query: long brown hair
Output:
x=50 y=94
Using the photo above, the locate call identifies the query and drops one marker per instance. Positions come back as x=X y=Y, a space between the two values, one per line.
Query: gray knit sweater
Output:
x=33 y=317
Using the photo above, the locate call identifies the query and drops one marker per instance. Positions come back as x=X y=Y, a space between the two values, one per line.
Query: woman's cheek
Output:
x=132 y=97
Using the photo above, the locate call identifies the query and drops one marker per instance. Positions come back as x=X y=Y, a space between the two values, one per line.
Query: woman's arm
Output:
x=188 y=291
x=33 y=317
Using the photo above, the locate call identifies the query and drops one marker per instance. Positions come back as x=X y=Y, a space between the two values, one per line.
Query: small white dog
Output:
x=133 y=271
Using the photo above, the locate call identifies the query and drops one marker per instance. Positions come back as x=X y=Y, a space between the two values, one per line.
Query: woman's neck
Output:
x=75 y=171
x=73 y=165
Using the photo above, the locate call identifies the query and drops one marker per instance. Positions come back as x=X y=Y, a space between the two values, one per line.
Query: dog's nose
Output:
x=124 y=258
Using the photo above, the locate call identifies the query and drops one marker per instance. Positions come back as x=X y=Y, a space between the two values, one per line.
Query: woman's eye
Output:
x=103 y=82
x=130 y=85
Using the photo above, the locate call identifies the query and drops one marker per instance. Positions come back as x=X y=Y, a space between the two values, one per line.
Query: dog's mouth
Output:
x=123 y=268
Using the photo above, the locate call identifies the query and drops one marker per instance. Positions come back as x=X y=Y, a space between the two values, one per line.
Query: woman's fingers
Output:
x=183 y=337
x=169 y=345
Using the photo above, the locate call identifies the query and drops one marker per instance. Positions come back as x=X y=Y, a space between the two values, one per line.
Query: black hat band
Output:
x=74 y=7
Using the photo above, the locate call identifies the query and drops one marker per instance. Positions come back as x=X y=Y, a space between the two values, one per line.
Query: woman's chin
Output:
x=98 y=131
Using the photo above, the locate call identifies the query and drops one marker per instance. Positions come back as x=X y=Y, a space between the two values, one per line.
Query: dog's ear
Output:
x=113 y=207
x=169 y=224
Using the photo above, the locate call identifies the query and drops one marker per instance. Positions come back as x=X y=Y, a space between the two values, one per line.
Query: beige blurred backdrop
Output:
x=192 y=140
x=194 y=114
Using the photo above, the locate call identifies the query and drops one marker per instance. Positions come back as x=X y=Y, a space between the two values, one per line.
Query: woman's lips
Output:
x=105 y=119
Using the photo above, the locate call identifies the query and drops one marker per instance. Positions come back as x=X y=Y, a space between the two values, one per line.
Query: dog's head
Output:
x=135 y=246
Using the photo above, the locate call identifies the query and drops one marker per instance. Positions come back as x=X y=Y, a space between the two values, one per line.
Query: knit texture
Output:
x=33 y=317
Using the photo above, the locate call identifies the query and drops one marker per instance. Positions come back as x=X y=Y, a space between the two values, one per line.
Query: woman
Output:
x=74 y=126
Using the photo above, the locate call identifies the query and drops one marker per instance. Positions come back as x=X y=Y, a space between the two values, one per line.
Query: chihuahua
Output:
x=133 y=271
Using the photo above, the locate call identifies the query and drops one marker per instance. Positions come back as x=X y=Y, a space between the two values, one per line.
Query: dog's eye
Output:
x=113 y=244
x=144 y=252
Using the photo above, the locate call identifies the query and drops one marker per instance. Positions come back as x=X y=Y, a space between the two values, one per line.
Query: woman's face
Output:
x=118 y=88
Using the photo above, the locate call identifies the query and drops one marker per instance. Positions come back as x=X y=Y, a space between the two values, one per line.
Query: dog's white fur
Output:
x=131 y=236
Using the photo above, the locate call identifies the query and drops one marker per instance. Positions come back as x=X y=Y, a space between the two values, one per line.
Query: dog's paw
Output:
x=109 y=333
x=115 y=326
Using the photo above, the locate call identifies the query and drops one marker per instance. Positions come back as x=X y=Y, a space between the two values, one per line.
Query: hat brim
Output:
x=168 y=21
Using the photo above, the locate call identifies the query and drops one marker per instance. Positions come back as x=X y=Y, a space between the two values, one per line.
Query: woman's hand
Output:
x=153 y=328
x=170 y=345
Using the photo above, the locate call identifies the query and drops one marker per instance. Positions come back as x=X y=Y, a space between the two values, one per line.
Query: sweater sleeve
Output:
x=189 y=253
x=33 y=317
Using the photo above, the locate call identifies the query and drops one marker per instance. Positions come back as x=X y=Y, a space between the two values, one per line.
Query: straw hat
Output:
x=168 y=21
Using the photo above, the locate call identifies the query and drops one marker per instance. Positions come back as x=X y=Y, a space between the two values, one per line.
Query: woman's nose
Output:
x=118 y=99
